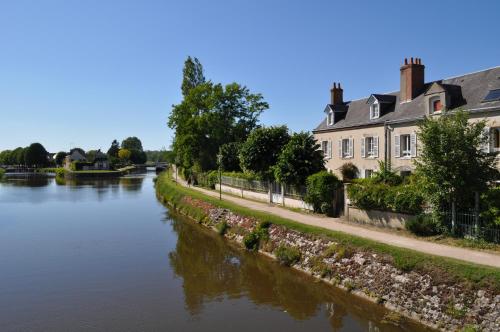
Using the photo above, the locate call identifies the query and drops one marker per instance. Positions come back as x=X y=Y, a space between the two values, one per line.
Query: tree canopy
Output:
x=209 y=116
x=59 y=158
x=230 y=160
x=192 y=75
x=300 y=158
x=261 y=150
x=36 y=155
x=451 y=162
x=113 y=149
x=132 y=143
x=124 y=154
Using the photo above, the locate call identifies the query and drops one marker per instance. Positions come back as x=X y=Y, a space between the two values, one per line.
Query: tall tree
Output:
x=132 y=143
x=192 y=75
x=114 y=148
x=36 y=155
x=452 y=163
x=300 y=158
x=261 y=150
x=59 y=158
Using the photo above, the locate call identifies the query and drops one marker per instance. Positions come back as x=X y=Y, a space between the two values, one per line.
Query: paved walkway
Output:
x=474 y=256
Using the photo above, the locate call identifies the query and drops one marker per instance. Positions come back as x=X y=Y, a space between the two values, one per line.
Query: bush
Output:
x=490 y=207
x=222 y=227
x=251 y=241
x=320 y=191
x=349 y=172
x=424 y=225
x=287 y=255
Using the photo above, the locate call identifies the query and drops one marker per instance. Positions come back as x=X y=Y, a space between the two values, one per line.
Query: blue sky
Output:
x=82 y=73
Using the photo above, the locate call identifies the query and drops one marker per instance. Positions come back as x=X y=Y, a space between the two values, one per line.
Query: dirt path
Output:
x=469 y=255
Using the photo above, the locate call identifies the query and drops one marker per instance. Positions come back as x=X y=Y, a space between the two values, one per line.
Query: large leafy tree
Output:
x=114 y=148
x=261 y=150
x=132 y=143
x=18 y=156
x=209 y=116
x=230 y=160
x=300 y=158
x=452 y=163
x=6 y=157
x=59 y=158
x=36 y=155
x=192 y=75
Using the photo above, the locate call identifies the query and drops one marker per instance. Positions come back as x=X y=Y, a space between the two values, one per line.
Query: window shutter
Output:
x=363 y=151
x=397 y=146
x=340 y=148
x=351 y=147
x=330 y=152
x=486 y=146
x=413 y=144
x=375 y=146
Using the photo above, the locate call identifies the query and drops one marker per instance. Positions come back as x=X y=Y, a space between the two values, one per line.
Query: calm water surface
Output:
x=104 y=255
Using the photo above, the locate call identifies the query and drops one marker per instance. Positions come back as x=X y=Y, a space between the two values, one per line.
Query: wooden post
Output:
x=270 y=192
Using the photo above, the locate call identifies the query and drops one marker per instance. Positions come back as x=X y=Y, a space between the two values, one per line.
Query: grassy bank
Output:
x=442 y=269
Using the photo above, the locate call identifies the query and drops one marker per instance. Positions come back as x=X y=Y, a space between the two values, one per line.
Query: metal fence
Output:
x=253 y=185
x=470 y=226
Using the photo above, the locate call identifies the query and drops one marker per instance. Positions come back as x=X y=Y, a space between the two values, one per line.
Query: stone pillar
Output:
x=346 y=202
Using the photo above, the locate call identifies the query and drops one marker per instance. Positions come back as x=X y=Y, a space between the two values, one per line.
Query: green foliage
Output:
x=287 y=255
x=321 y=189
x=230 y=156
x=371 y=194
x=386 y=175
x=261 y=150
x=454 y=312
x=349 y=172
x=300 y=158
x=124 y=154
x=138 y=157
x=251 y=241
x=2 y=172
x=405 y=259
x=36 y=155
x=162 y=156
x=319 y=267
x=424 y=225
x=192 y=75
x=132 y=143
x=452 y=164
x=114 y=149
x=59 y=158
x=490 y=207
x=222 y=227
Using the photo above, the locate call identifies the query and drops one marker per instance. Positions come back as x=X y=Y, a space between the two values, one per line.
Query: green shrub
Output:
x=349 y=172
x=222 y=227
x=424 y=225
x=251 y=241
x=490 y=207
x=287 y=255
x=321 y=190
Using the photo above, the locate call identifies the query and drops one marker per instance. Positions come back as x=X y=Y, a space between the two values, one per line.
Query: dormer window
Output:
x=435 y=105
x=330 y=118
x=375 y=111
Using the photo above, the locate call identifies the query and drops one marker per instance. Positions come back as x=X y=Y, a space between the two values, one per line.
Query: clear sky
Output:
x=82 y=73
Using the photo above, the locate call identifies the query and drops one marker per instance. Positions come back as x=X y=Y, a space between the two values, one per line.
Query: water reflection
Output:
x=211 y=270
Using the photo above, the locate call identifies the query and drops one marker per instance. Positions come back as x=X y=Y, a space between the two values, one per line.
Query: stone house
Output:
x=383 y=126
x=100 y=161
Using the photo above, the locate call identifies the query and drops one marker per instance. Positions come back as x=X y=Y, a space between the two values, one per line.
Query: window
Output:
x=437 y=106
x=405 y=146
x=375 y=111
x=326 y=146
x=370 y=146
x=368 y=173
x=496 y=139
x=346 y=148
x=330 y=118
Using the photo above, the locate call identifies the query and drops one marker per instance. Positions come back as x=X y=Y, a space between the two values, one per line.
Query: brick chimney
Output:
x=412 y=79
x=337 y=95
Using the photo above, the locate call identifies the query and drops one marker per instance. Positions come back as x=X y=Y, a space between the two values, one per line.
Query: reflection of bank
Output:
x=128 y=183
x=212 y=269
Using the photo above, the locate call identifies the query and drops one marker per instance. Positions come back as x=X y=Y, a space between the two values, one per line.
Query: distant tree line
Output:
x=34 y=155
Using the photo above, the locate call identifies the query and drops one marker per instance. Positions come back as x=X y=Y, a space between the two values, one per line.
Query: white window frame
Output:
x=326 y=147
x=405 y=140
x=346 y=150
x=369 y=147
x=373 y=107
x=368 y=173
x=329 y=118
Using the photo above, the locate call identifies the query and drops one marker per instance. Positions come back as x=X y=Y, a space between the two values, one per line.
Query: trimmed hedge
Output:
x=367 y=194
x=321 y=190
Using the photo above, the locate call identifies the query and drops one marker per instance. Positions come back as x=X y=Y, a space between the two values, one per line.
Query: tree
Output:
x=18 y=155
x=209 y=116
x=91 y=155
x=36 y=155
x=124 y=154
x=192 y=75
x=59 y=159
x=138 y=157
x=132 y=143
x=230 y=156
x=6 y=157
x=261 y=150
x=300 y=158
x=452 y=163
x=114 y=148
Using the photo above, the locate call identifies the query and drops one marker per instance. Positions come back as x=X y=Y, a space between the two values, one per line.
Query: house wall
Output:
x=398 y=163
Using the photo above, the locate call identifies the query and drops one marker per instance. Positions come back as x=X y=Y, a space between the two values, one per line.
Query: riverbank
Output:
x=442 y=293
x=2 y=172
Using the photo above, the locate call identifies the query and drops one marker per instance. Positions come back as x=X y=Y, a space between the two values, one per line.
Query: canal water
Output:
x=105 y=255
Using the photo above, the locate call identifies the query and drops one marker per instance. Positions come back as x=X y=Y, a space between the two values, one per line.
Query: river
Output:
x=105 y=255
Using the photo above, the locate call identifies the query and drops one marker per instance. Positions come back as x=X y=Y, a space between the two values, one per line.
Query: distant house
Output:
x=80 y=162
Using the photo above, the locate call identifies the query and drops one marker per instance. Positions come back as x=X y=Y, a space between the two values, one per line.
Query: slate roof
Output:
x=100 y=156
x=467 y=92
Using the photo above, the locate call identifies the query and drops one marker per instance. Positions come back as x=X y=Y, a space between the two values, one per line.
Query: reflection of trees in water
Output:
x=211 y=268
x=27 y=180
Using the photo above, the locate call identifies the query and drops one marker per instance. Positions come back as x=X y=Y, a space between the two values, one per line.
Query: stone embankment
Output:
x=439 y=304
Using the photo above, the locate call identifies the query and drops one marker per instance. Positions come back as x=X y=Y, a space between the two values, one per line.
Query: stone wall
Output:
x=377 y=218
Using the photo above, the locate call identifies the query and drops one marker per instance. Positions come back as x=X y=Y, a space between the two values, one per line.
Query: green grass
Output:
x=440 y=268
